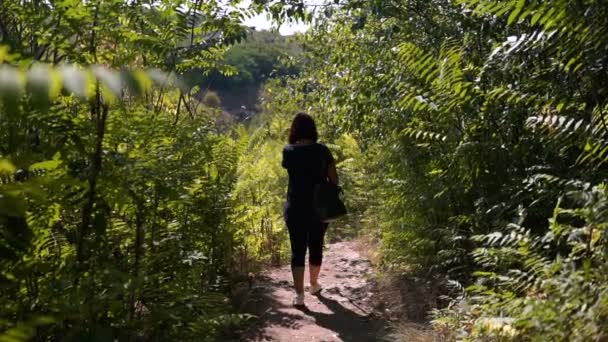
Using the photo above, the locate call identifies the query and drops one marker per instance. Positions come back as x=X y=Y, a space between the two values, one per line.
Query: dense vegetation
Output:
x=485 y=127
x=257 y=59
x=261 y=56
x=470 y=136
x=117 y=214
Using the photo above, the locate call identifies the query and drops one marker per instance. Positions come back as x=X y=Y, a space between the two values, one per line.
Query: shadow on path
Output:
x=346 y=324
x=341 y=313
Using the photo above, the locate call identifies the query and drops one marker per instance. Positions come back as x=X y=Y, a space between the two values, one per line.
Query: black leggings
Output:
x=306 y=234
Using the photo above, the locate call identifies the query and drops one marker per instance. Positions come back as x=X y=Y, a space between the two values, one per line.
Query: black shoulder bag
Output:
x=327 y=201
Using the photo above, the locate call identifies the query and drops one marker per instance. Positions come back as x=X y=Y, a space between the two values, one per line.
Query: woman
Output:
x=307 y=163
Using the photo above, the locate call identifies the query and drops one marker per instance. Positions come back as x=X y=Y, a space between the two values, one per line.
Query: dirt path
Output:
x=343 y=311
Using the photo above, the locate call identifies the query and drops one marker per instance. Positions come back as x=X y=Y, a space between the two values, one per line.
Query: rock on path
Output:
x=343 y=311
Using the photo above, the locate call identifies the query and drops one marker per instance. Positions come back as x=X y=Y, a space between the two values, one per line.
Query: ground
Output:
x=343 y=312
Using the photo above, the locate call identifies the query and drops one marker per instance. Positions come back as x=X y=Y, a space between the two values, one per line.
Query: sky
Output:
x=261 y=22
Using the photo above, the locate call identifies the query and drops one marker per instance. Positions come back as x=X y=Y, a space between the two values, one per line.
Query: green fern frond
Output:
x=423 y=135
x=561 y=125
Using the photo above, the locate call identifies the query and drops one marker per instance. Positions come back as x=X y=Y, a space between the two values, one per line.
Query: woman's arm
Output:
x=284 y=160
x=332 y=174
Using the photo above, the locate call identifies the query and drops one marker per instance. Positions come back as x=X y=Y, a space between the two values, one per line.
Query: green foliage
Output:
x=477 y=117
x=459 y=128
x=527 y=291
x=263 y=56
x=260 y=193
x=115 y=186
x=257 y=59
x=212 y=100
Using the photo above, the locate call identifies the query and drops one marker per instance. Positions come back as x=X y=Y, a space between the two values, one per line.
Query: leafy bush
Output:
x=212 y=100
x=538 y=287
x=476 y=113
x=115 y=186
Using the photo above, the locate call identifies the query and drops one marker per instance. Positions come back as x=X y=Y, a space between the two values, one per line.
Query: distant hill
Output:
x=263 y=55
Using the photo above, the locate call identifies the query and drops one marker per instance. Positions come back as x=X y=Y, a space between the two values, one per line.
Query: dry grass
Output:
x=405 y=302
x=410 y=332
x=367 y=247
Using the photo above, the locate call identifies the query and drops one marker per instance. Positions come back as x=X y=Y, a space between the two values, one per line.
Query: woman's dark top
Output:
x=304 y=164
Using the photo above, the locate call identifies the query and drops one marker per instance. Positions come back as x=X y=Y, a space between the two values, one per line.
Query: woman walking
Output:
x=308 y=163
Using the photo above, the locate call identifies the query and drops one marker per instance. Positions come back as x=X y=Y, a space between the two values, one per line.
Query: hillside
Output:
x=261 y=56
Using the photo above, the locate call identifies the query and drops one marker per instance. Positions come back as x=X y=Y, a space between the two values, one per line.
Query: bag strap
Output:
x=324 y=168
